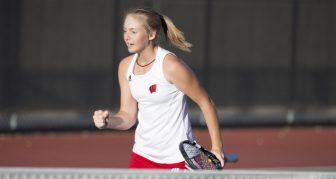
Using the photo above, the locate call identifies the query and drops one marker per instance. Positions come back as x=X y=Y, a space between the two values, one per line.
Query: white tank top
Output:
x=162 y=113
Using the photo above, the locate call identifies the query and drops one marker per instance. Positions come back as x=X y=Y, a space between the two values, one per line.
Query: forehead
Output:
x=133 y=21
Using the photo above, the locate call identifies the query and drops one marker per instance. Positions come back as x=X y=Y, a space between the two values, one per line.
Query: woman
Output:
x=153 y=84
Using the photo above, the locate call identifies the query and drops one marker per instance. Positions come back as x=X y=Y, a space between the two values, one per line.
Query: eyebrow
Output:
x=132 y=28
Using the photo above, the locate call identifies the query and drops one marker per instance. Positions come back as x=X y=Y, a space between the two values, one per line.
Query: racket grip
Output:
x=231 y=158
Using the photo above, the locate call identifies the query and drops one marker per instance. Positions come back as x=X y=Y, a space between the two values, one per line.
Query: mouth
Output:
x=130 y=44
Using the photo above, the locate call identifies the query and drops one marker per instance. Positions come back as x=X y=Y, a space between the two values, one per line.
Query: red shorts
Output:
x=138 y=161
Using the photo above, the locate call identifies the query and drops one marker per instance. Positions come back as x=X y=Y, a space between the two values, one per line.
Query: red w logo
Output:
x=152 y=88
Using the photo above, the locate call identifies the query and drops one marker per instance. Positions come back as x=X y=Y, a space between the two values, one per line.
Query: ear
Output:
x=152 y=35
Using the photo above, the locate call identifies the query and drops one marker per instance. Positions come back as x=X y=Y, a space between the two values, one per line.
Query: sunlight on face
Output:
x=135 y=34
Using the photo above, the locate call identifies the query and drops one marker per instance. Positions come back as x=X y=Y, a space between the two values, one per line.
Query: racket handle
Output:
x=231 y=158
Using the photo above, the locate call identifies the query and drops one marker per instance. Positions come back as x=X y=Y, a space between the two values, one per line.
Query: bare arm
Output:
x=125 y=118
x=181 y=75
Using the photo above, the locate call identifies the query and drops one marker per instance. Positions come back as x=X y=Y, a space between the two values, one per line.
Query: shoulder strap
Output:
x=131 y=67
x=160 y=57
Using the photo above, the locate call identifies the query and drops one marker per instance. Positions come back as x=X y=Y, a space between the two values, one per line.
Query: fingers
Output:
x=222 y=160
x=106 y=113
x=100 y=118
x=220 y=156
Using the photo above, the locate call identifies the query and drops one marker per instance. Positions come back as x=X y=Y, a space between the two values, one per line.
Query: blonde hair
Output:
x=155 y=21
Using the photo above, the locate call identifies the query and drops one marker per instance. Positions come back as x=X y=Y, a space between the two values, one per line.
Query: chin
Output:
x=130 y=50
x=134 y=50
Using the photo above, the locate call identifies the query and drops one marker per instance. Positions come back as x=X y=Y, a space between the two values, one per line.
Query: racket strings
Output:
x=198 y=158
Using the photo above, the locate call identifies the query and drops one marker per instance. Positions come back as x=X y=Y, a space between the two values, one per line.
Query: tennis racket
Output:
x=198 y=158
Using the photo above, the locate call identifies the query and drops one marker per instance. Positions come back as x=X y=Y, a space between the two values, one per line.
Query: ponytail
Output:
x=156 y=21
x=174 y=35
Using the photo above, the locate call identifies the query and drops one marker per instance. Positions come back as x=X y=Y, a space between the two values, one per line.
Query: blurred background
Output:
x=269 y=65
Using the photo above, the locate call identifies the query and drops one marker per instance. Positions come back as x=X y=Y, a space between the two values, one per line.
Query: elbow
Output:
x=129 y=125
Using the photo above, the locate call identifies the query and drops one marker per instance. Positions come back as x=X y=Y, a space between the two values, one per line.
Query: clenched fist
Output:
x=100 y=118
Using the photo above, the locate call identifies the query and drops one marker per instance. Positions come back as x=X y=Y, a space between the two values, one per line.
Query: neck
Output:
x=147 y=54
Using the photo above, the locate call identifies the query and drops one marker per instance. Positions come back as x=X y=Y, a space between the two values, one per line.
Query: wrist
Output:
x=217 y=147
x=106 y=121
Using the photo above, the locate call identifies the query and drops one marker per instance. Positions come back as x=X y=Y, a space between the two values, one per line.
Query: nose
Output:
x=126 y=36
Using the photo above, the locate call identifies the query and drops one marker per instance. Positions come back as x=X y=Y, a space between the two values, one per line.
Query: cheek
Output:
x=142 y=38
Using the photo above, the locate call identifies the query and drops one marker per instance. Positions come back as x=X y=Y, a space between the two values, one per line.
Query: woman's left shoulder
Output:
x=175 y=68
x=172 y=63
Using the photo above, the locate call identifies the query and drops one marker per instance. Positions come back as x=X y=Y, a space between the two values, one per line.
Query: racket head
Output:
x=198 y=158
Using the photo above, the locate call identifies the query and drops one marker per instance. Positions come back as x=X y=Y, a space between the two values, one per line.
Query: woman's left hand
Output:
x=220 y=155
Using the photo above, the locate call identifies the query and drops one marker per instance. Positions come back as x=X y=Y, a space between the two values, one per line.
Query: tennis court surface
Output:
x=263 y=148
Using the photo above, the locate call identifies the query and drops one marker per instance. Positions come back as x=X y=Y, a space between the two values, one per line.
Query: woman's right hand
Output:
x=100 y=118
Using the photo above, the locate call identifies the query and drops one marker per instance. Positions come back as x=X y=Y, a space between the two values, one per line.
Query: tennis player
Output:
x=154 y=84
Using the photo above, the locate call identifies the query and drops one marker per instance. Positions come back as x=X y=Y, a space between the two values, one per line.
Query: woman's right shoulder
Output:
x=124 y=63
